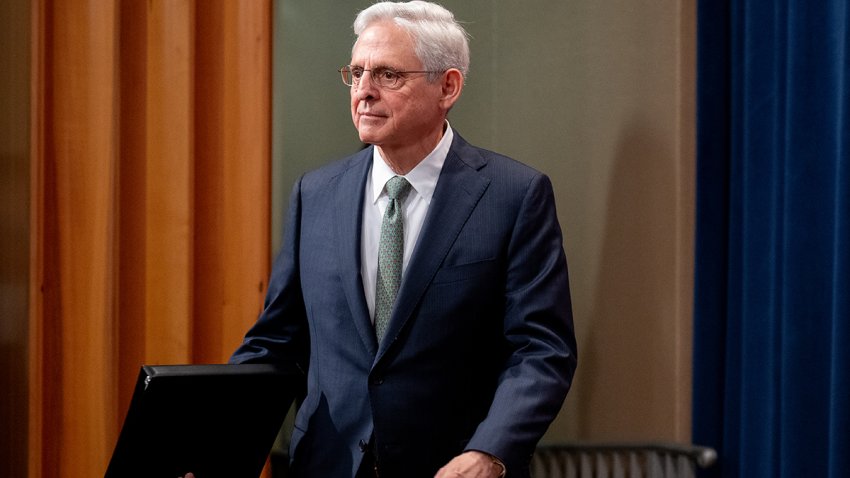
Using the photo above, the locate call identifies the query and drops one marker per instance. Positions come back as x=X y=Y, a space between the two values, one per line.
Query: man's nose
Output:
x=365 y=88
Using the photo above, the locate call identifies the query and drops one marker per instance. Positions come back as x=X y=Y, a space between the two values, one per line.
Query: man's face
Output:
x=394 y=118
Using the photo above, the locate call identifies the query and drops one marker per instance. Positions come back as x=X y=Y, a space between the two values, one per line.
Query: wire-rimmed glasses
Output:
x=382 y=76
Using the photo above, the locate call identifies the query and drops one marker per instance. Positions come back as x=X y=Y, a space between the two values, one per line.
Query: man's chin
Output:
x=370 y=139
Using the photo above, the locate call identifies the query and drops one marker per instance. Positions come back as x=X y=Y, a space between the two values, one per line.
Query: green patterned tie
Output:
x=390 y=254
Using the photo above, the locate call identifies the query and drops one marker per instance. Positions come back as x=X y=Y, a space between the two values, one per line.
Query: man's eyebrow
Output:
x=376 y=67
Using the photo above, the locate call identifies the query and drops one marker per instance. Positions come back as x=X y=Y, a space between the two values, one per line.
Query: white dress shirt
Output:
x=423 y=178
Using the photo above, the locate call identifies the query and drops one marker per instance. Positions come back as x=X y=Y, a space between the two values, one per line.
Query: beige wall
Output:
x=599 y=95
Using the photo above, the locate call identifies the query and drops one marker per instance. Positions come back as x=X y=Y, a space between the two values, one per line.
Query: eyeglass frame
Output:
x=347 y=70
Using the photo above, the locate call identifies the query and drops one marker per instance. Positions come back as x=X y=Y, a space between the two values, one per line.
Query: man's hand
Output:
x=471 y=464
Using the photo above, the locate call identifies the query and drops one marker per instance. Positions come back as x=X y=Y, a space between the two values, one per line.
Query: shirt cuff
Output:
x=501 y=465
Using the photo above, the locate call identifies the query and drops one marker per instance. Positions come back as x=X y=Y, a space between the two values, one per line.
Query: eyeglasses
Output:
x=383 y=77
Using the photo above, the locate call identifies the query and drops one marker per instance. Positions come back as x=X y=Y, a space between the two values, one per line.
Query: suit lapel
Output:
x=349 y=215
x=458 y=191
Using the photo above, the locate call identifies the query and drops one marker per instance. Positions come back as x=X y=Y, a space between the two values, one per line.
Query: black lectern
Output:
x=217 y=421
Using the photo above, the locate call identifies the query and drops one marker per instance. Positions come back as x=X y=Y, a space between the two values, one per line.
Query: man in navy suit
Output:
x=477 y=350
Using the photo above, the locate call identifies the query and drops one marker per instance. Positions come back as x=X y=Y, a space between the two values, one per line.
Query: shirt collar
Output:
x=423 y=177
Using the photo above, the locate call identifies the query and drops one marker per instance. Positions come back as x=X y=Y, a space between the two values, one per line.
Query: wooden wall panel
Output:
x=132 y=195
x=248 y=97
x=77 y=238
x=233 y=111
x=211 y=197
x=150 y=205
x=169 y=191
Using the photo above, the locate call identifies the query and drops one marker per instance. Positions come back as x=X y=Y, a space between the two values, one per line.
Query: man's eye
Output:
x=356 y=73
x=388 y=75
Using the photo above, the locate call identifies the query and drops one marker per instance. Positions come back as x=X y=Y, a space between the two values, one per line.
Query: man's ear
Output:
x=452 y=85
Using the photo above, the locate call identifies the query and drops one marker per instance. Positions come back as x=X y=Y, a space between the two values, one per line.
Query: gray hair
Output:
x=440 y=42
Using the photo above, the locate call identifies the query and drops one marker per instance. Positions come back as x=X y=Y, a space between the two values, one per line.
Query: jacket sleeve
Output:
x=538 y=327
x=280 y=335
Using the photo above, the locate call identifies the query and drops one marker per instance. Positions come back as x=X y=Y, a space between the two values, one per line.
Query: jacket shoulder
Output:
x=493 y=164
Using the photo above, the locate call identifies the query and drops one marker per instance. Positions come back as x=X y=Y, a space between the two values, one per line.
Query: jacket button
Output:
x=364 y=447
x=377 y=381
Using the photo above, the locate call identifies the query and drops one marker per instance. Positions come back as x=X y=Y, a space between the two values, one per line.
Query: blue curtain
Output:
x=772 y=285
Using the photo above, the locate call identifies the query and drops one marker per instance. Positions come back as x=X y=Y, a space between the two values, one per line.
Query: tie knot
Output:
x=397 y=187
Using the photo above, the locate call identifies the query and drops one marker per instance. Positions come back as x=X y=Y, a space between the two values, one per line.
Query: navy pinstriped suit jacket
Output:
x=480 y=350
